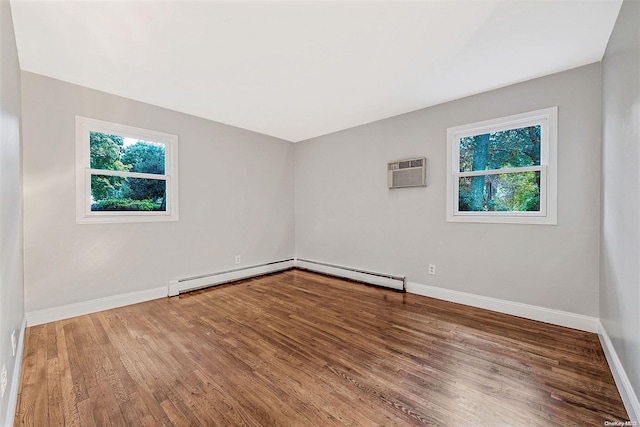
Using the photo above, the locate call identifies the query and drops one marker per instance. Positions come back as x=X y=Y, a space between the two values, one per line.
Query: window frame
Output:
x=547 y=118
x=84 y=214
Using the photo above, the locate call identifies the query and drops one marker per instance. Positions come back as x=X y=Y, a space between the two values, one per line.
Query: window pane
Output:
x=512 y=148
x=113 y=152
x=106 y=151
x=507 y=192
x=144 y=156
x=114 y=193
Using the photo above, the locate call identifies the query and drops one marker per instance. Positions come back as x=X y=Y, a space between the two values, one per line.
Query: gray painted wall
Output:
x=11 y=267
x=346 y=215
x=620 y=239
x=236 y=191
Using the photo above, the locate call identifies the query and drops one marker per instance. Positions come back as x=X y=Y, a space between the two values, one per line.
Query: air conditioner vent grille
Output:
x=407 y=173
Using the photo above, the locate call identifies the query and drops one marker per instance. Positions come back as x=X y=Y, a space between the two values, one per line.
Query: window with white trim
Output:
x=504 y=170
x=124 y=173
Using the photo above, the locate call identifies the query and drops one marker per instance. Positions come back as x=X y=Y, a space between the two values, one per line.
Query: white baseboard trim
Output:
x=15 y=380
x=386 y=280
x=198 y=282
x=53 y=314
x=527 y=311
x=628 y=395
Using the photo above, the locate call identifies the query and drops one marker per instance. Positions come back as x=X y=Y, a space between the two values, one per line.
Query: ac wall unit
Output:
x=407 y=173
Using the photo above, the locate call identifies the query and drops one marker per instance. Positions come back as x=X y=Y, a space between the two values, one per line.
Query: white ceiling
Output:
x=300 y=69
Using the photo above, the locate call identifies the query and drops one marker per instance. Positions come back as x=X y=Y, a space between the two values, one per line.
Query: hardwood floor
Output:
x=301 y=349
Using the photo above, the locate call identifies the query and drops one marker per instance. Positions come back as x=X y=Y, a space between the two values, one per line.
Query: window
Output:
x=124 y=174
x=504 y=170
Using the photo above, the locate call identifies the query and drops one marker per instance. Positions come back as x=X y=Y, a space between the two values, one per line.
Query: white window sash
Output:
x=127 y=174
x=501 y=171
x=89 y=212
x=543 y=193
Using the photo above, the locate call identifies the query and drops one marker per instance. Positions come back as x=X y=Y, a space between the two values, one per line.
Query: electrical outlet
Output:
x=3 y=380
x=432 y=269
x=237 y=259
x=13 y=343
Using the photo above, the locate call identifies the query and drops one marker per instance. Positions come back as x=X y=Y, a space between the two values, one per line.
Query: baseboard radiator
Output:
x=378 y=279
x=193 y=283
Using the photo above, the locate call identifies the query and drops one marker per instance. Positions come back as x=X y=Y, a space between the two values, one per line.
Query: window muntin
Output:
x=503 y=170
x=124 y=174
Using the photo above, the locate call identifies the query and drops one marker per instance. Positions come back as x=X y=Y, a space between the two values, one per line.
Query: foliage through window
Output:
x=504 y=170
x=125 y=174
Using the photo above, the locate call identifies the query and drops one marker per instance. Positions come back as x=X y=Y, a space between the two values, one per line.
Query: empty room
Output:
x=319 y=212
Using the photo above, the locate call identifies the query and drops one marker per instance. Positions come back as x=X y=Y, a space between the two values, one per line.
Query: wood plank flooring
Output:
x=301 y=349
